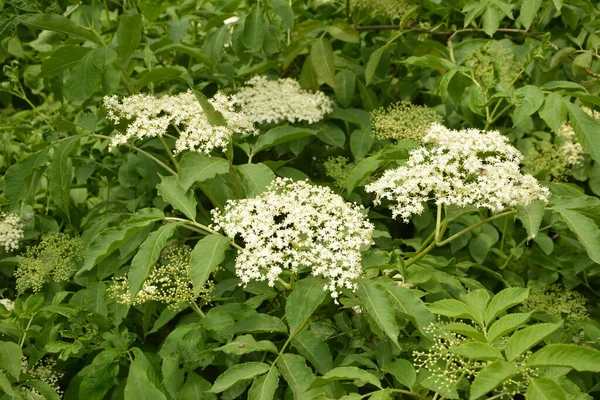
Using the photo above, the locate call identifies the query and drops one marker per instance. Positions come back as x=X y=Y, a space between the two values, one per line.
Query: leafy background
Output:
x=61 y=58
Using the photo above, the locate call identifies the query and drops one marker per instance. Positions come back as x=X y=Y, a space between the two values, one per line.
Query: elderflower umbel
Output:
x=467 y=167
x=43 y=370
x=281 y=100
x=55 y=258
x=293 y=225
x=169 y=282
x=403 y=121
x=11 y=231
x=151 y=116
x=493 y=63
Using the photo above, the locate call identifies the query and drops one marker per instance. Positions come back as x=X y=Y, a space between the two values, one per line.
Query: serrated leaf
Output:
x=529 y=10
x=506 y=324
x=312 y=347
x=255 y=29
x=529 y=99
x=373 y=63
x=344 y=374
x=259 y=323
x=237 y=373
x=321 y=55
x=174 y=194
x=255 y=178
x=280 y=134
x=453 y=308
x=10 y=358
x=247 y=344
x=6 y=386
x=345 y=85
x=586 y=128
x=491 y=377
x=504 y=300
x=379 y=307
x=363 y=169
x=491 y=20
x=139 y=386
x=406 y=303
x=466 y=330
x=60 y=175
x=285 y=12
x=306 y=297
x=214 y=116
x=264 y=387
x=129 y=34
x=147 y=256
x=361 y=141
x=554 y=111
x=61 y=60
x=342 y=30
x=545 y=389
x=206 y=256
x=58 y=23
x=331 y=134
x=477 y=351
x=402 y=370
x=19 y=180
x=585 y=230
x=525 y=339
x=531 y=217
x=296 y=373
x=86 y=76
x=198 y=167
x=101 y=375
x=196 y=387
x=430 y=61
x=566 y=355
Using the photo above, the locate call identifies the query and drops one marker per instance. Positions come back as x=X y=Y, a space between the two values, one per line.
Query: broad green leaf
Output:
x=321 y=55
x=280 y=134
x=453 y=308
x=379 y=307
x=264 y=387
x=384 y=394
x=147 y=256
x=342 y=30
x=247 y=344
x=346 y=374
x=467 y=330
x=237 y=373
x=506 y=324
x=62 y=59
x=430 y=61
x=93 y=298
x=213 y=115
x=20 y=180
x=190 y=51
x=478 y=300
x=60 y=175
x=491 y=377
x=529 y=99
x=285 y=12
x=60 y=24
x=101 y=375
x=585 y=230
x=529 y=10
x=259 y=323
x=491 y=20
x=477 y=351
x=504 y=300
x=6 y=386
x=523 y=340
x=10 y=358
x=307 y=296
x=531 y=217
x=331 y=134
x=255 y=29
x=402 y=370
x=86 y=76
x=206 y=256
x=296 y=373
x=345 y=85
x=173 y=193
x=363 y=169
x=406 y=303
x=255 y=178
x=566 y=355
x=586 y=128
x=545 y=389
x=158 y=74
x=198 y=167
x=111 y=239
x=563 y=85
x=196 y=388
x=554 y=111
x=312 y=347
x=139 y=386
x=361 y=141
x=129 y=34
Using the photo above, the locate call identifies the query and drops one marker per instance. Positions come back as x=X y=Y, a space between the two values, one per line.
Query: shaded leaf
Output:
x=206 y=256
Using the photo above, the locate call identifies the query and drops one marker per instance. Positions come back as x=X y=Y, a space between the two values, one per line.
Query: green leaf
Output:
x=430 y=61
x=477 y=351
x=10 y=358
x=373 y=63
x=61 y=60
x=545 y=389
x=296 y=373
x=504 y=300
x=453 y=308
x=20 y=180
x=491 y=20
x=280 y=134
x=384 y=394
x=402 y=370
x=60 y=175
x=363 y=169
x=255 y=178
x=129 y=34
x=264 y=387
x=237 y=373
x=586 y=128
x=255 y=29
x=331 y=134
x=147 y=256
x=467 y=330
x=85 y=78
x=491 y=377
x=529 y=99
x=554 y=112
x=214 y=116
x=379 y=307
x=478 y=299
x=531 y=217
x=158 y=74
x=247 y=344
x=111 y=239
x=101 y=375
x=529 y=10
x=259 y=323
x=361 y=141
x=345 y=374
x=307 y=296
x=405 y=302
x=198 y=167
x=585 y=230
x=60 y=24
x=345 y=85
x=312 y=347
x=6 y=386
x=206 y=256
x=174 y=194
x=285 y=12
x=523 y=340
x=139 y=386
x=506 y=324
x=566 y=355
x=321 y=55
x=342 y=30
x=196 y=387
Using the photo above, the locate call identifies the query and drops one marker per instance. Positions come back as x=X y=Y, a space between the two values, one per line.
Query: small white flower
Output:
x=8 y=304
x=231 y=20
x=11 y=231
x=462 y=168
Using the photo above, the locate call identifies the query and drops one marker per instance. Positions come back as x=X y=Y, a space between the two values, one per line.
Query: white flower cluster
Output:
x=43 y=370
x=263 y=100
x=294 y=225
x=151 y=116
x=8 y=304
x=11 y=231
x=467 y=167
x=571 y=150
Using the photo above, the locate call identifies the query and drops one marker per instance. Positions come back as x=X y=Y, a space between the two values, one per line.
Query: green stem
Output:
x=438 y=222
x=196 y=309
x=202 y=227
x=169 y=152
x=286 y=285
x=476 y=225
x=25 y=331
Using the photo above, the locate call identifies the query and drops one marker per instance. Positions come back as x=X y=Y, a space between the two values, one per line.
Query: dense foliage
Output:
x=286 y=199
